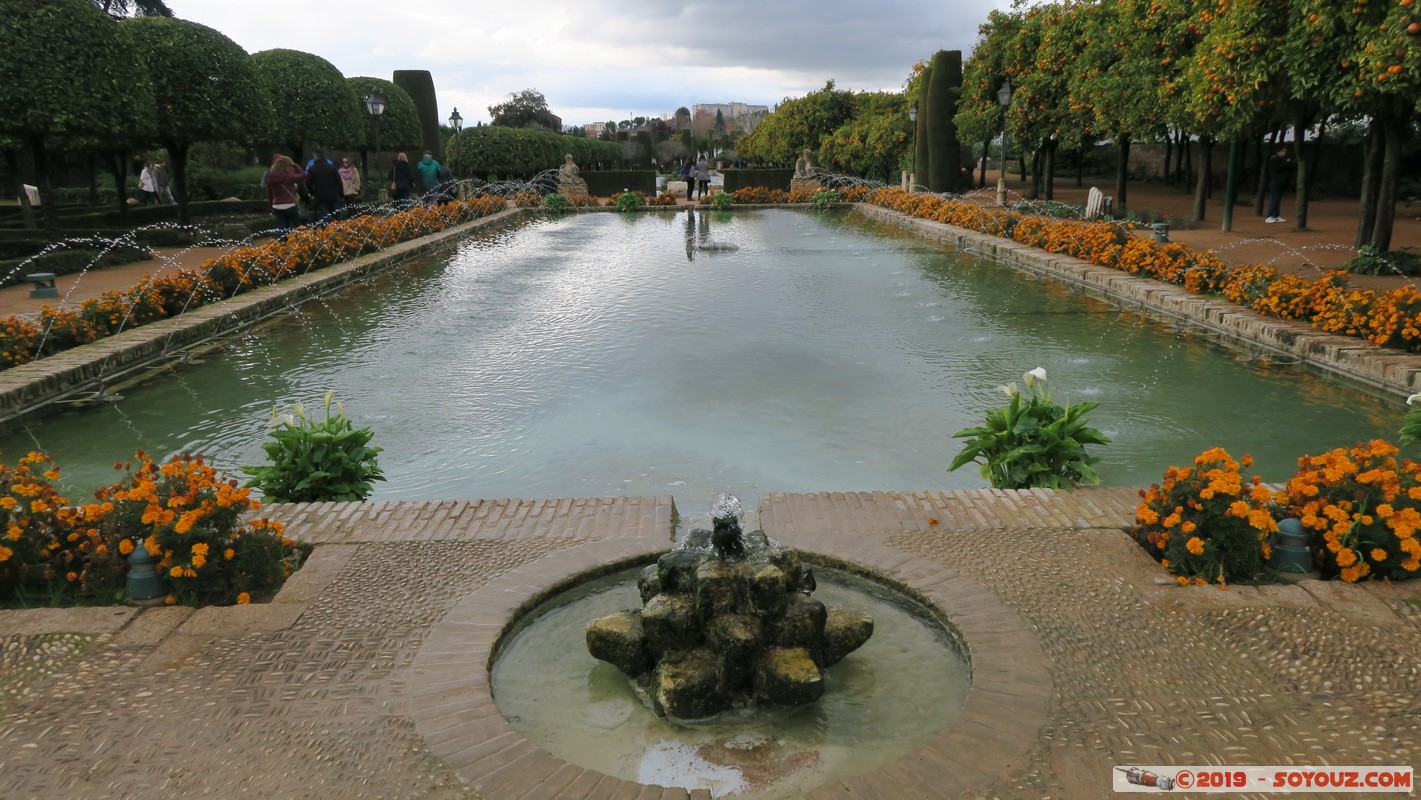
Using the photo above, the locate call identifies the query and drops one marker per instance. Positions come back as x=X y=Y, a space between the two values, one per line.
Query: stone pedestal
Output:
x=567 y=187
x=804 y=184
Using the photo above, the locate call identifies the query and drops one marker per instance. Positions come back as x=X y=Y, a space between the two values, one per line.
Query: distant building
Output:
x=593 y=130
x=737 y=116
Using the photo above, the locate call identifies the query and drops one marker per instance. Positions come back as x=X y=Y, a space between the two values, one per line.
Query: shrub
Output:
x=1362 y=511
x=1370 y=261
x=317 y=460
x=720 y=201
x=1208 y=522
x=627 y=200
x=663 y=199
x=1033 y=442
x=556 y=202
x=191 y=521
x=825 y=198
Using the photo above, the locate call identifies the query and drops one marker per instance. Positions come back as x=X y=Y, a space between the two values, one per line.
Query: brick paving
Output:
x=1084 y=657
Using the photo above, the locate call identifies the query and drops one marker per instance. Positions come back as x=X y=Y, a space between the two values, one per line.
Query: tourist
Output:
x=702 y=176
x=282 y=181
x=401 y=180
x=431 y=175
x=148 y=189
x=688 y=174
x=163 y=183
x=324 y=183
x=1280 y=170
x=349 y=182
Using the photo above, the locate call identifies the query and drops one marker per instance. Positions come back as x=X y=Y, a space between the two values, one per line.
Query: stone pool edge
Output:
x=1346 y=357
x=451 y=701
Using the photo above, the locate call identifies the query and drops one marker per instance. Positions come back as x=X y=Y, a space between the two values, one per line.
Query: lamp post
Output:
x=913 y=120
x=1004 y=98
x=455 y=121
x=375 y=105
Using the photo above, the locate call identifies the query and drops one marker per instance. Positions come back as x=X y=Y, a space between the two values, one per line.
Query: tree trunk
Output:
x=118 y=168
x=1168 y=152
x=1260 y=194
x=1035 y=192
x=1235 y=167
x=1394 y=138
x=1080 y=167
x=17 y=188
x=1186 y=163
x=1371 y=179
x=1048 y=172
x=986 y=156
x=93 y=167
x=1201 y=187
x=1307 y=176
x=1122 y=176
x=178 y=153
x=46 y=197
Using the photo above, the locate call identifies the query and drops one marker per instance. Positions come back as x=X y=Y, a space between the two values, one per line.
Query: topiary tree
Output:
x=945 y=152
x=399 y=125
x=873 y=142
x=210 y=90
x=419 y=84
x=311 y=102
x=921 y=153
x=66 y=72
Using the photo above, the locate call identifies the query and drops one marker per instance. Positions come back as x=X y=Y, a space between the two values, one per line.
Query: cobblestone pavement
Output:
x=306 y=697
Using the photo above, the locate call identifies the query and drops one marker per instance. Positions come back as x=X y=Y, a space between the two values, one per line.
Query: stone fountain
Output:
x=727 y=622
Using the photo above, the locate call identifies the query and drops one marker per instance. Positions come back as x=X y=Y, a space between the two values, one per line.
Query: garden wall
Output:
x=605 y=183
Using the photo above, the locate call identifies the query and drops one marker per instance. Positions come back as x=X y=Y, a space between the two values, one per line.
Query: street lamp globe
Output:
x=375 y=104
x=455 y=121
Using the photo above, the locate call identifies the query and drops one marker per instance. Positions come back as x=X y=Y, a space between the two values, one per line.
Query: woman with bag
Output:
x=282 y=181
x=401 y=179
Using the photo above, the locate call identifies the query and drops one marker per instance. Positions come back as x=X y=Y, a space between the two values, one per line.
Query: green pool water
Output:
x=605 y=355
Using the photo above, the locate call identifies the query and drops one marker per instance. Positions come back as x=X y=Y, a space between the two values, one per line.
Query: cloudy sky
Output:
x=609 y=59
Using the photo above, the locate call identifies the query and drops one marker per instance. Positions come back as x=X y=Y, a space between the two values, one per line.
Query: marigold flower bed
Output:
x=161 y=296
x=1390 y=318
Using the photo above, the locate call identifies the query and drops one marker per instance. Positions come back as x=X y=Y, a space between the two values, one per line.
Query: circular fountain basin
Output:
x=450 y=695
x=881 y=702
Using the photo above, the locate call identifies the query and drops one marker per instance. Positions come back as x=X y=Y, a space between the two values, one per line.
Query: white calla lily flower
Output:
x=1411 y=401
x=278 y=420
x=1038 y=374
x=1009 y=390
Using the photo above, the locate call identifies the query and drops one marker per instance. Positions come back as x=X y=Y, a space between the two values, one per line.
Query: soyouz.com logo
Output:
x=1281 y=779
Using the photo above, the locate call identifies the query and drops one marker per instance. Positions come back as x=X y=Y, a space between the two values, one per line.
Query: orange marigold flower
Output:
x=125 y=546
x=8 y=502
x=1188 y=527
x=1346 y=557
x=1195 y=545
x=5 y=554
x=243 y=599
x=228 y=554
x=175 y=572
x=171 y=599
x=1378 y=554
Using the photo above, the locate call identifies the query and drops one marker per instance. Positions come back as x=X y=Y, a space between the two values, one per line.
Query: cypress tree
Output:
x=945 y=152
x=419 y=85
x=921 y=154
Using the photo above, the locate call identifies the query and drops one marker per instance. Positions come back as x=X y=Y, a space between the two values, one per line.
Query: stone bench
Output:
x=43 y=284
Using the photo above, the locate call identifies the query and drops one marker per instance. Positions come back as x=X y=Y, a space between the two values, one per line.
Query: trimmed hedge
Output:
x=605 y=183
x=757 y=178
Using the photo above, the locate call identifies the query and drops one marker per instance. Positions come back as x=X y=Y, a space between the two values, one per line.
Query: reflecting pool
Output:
x=605 y=354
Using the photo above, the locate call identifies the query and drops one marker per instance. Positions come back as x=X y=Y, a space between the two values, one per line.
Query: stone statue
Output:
x=804 y=168
x=569 y=182
x=568 y=169
x=805 y=175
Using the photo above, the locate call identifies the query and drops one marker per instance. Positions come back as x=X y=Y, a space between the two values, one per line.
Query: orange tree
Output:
x=874 y=141
x=1379 y=78
x=979 y=115
x=796 y=124
x=1043 y=109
